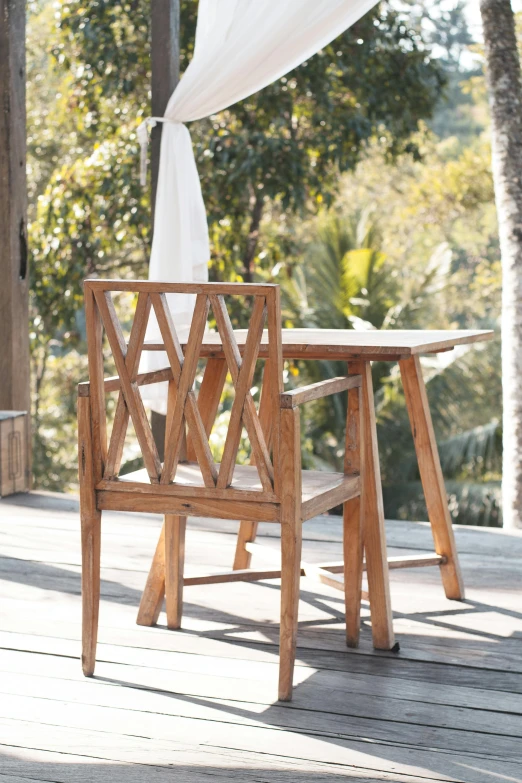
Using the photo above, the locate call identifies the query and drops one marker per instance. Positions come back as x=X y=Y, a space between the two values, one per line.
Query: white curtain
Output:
x=241 y=46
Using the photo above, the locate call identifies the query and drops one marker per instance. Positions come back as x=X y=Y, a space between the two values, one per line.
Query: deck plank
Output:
x=202 y=701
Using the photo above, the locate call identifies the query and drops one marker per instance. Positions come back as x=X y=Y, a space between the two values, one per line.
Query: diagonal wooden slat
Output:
x=190 y=411
x=186 y=381
x=242 y=388
x=248 y=530
x=132 y=361
x=172 y=396
x=242 y=380
x=209 y=397
x=129 y=388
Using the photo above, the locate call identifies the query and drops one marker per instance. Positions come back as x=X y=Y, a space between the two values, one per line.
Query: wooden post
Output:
x=14 y=290
x=165 y=77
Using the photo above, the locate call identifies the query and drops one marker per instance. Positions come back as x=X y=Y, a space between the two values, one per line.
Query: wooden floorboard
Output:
x=202 y=701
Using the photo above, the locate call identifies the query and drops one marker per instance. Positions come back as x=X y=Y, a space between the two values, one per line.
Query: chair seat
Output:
x=316 y=484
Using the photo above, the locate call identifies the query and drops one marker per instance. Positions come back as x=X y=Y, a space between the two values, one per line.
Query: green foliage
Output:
x=469 y=503
x=275 y=154
x=424 y=235
x=327 y=181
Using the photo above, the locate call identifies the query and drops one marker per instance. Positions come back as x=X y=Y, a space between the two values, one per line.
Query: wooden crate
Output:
x=14 y=452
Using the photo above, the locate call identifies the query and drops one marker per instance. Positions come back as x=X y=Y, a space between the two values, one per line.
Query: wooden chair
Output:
x=273 y=488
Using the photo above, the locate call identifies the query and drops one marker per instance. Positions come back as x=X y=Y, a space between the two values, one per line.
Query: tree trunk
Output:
x=505 y=99
x=252 y=239
x=165 y=16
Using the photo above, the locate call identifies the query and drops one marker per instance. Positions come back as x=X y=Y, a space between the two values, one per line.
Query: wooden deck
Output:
x=199 y=705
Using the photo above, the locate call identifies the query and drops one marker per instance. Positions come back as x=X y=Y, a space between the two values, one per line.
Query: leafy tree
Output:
x=440 y=270
x=273 y=155
x=283 y=144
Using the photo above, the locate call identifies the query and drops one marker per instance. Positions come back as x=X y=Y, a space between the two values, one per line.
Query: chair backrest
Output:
x=184 y=415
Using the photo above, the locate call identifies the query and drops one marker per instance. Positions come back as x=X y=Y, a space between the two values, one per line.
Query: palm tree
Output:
x=346 y=281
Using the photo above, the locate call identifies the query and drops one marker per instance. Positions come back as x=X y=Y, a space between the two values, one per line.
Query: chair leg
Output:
x=353 y=519
x=91 y=539
x=174 y=564
x=291 y=545
x=90 y=520
x=353 y=549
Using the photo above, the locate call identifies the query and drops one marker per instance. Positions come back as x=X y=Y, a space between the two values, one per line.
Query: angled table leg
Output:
x=208 y=402
x=431 y=475
x=373 y=515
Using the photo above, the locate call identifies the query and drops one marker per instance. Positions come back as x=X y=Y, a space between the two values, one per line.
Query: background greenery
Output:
x=360 y=182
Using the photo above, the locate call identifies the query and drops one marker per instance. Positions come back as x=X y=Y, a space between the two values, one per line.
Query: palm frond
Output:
x=475 y=451
x=470 y=503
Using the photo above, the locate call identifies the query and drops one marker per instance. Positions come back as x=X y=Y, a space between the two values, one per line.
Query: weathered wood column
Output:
x=165 y=76
x=14 y=287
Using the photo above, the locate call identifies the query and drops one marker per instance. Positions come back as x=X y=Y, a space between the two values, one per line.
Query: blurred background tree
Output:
x=360 y=182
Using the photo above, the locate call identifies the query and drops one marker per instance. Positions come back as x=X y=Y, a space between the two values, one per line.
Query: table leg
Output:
x=248 y=530
x=431 y=475
x=374 y=528
x=152 y=598
x=208 y=402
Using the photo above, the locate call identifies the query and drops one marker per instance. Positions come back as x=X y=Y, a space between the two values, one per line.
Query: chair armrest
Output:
x=291 y=399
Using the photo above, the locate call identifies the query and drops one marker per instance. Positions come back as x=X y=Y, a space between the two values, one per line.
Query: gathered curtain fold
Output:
x=241 y=46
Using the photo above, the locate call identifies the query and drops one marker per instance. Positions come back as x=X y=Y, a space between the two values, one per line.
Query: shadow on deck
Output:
x=201 y=702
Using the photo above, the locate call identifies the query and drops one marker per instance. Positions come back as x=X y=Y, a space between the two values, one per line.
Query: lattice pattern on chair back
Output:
x=184 y=416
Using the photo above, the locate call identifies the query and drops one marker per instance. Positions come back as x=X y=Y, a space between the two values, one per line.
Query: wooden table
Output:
x=358 y=349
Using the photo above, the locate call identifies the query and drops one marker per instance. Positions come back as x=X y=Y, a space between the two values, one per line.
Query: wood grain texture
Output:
x=184 y=407
x=248 y=530
x=291 y=544
x=94 y=330
x=349 y=344
x=112 y=500
x=15 y=467
x=201 y=704
x=209 y=397
x=185 y=400
x=219 y=289
x=374 y=530
x=245 y=406
x=129 y=388
x=15 y=388
x=315 y=391
x=154 y=592
x=242 y=384
x=175 y=528
x=331 y=490
x=90 y=519
x=132 y=361
x=275 y=359
x=353 y=519
x=431 y=476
